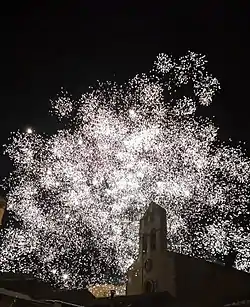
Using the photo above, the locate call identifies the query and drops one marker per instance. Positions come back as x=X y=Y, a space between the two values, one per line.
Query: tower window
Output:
x=151 y=217
x=144 y=244
x=148 y=265
x=153 y=239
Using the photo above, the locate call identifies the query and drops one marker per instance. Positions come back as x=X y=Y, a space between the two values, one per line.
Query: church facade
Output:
x=184 y=277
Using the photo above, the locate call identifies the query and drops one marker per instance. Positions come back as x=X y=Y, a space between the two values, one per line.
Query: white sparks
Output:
x=132 y=113
x=29 y=130
x=65 y=276
x=80 y=193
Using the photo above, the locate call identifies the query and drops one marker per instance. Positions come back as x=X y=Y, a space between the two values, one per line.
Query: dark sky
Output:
x=44 y=47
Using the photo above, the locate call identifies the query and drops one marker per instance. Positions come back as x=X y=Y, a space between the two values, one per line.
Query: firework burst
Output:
x=78 y=195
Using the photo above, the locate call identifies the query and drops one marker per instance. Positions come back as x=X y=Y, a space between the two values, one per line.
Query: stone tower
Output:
x=148 y=273
x=2 y=209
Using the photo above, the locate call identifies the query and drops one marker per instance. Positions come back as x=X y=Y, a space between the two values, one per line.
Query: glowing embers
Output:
x=29 y=130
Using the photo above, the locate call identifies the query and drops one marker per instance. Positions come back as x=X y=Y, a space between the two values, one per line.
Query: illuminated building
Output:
x=2 y=209
x=104 y=290
x=183 y=277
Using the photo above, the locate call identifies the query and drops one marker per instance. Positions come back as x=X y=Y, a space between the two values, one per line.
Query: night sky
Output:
x=46 y=47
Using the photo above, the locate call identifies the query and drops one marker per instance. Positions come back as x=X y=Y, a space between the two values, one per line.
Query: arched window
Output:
x=153 y=239
x=149 y=286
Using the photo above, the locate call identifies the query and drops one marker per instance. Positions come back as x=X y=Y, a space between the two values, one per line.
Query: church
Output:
x=184 y=278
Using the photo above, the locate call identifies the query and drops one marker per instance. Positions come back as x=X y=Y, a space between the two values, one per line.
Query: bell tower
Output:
x=2 y=209
x=153 y=231
x=153 y=246
x=154 y=269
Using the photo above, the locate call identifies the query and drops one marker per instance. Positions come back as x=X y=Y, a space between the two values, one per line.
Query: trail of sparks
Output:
x=78 y=195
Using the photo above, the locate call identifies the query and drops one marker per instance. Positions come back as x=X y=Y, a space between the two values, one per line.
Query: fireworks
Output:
x=78 y=195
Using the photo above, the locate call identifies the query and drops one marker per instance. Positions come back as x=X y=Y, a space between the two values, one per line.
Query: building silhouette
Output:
x=20 y=290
